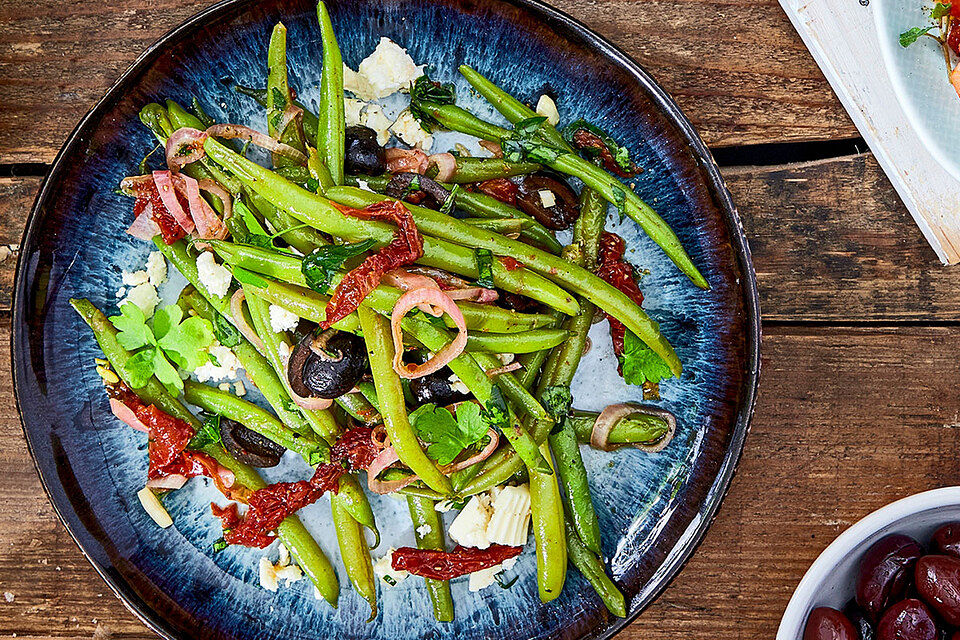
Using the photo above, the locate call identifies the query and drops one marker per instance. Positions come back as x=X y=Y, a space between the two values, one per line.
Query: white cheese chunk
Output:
x=216 y=278
x=457 y=384
x=144 y=296
x=384 y=72
x=132 y=279
x=408 y=129
x=268 y=575
x=351 y=110
x=374 y=117
x=509 y=524
x=154 y=508
x=289 y=573
x=547 y=198
x=424 y=530
x=384 y=570
x=225 y=370
x=282 y=320
x=547 y=108
x=469 y=528
x=239 y=389
x=156 y=268
x=486 y=577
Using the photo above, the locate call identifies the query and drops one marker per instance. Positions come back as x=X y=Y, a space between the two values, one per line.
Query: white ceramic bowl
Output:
x=831 y=578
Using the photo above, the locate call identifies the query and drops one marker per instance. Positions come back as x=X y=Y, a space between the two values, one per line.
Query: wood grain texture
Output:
x=750 y=84
x=847 y=421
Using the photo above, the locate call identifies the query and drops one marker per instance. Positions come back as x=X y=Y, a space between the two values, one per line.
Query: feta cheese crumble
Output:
x=215 y=277
x=547 y=198
x=457 y=384
x=469 y=528
x=384 y=570
x=486 y=577
x=282 y=320
x=271 y=574
x=225 y=368
x=351 y=111
x=134 y=278
x=408 y=129
x=384 y=72
x=145 y=297
x=374 y=117
x=424 y=530
x=156 y=268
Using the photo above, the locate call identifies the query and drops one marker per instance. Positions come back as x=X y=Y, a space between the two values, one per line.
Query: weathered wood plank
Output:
x=848 y=420
x=736 y=66
x=831 y=242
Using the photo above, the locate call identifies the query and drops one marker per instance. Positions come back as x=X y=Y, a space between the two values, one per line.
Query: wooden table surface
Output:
x=858 y=403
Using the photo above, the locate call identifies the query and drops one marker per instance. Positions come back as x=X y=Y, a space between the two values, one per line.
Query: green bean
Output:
x=355 y=553
x=376 y=333
x=576 y=489
x=508 y=106
x=294 y=173
x=589 y=227
x=293 y=294
x=253 y=417
x=577 y=279
x=587 y=563
x=330 y=123
x=503 y=226
x=200 y=113
x=319 y=213
x=359 y=409
x=521 y=342
x=547 y=522
x=321 y=420
x=318 y=170
x=634 y=429
x=303 y=239
x=354 y=500
x=459 y=119
x=369 y=392
x=278 y=95
x=513 y=389
x=304 y=549
x=482 y=169
x=423 y=512
x=260 y=95
x=532 y=363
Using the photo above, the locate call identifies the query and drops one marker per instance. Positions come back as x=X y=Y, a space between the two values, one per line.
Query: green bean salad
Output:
x=409 y=319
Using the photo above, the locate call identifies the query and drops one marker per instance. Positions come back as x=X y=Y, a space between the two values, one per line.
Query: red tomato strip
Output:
x=405 y=248
x=583 y=139
x=618 y=272
x=500 y=189
x=446 y=565
x=170 y=229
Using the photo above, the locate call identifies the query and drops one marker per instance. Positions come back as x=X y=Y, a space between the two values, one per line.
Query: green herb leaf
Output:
x=209 y=433
x=132 y=325
x=166 y=372
x=557 y=401
x=940 y=10
x=322 y=263
x=313 y=185
x=530 y=125
x=496 y=412
x=225 y=333
x=448 y=437
x=640 y=364
x=524 y=143
x=279 y=100
x=619 y=199
x=244 y=276
x=139 y=367
x=426 y=93
x=500 y=581
x=910 y=36
x=450 y=202
x=256 y=234
x=389 y=580
x=186 y=343
x=219 y=545
x=485 y=268
x=621 y=155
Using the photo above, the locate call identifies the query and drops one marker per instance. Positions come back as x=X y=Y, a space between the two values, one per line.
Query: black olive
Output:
x=860 y=621
x=401 y=186
x=565 y=208
x=333 y=371
x=436 y=388
x=363 y=154
x=516 y=302
x=248 y=446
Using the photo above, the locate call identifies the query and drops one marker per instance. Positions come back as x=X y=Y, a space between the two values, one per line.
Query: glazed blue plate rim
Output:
x=683 y=551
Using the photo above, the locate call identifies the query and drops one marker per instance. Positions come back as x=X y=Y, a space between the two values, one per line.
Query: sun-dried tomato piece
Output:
x=356 y=448
x=583 y=139
x=405 y=248
x=170 y=229
x=501 y=189
x=446 y=565
x=619 y=273
x=228 y=515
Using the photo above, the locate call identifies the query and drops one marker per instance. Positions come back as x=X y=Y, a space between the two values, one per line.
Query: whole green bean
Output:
x=634 y=429
x=423 y=512
x=360 y=409
x=354 y=500
x=376 y=334
x=260 y=95
x=548 y=531
x=355 y=553
x=532 y=363
x=481 y=169
x=303 y=239
x=319 y=213
x=291 y=532
x=201 y=114
x=576 y=489
x=278 y=95
x=294 y=173
x=456 y=118
x=521 y=342
x=503 y=226
x=253 y=417
x=587 y=563
x=330 y=121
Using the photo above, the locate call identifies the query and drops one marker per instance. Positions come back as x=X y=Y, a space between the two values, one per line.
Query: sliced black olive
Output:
x=565 y=205
x=248 y=446
x=436 y=388
x=327 y=370
x=402 y=184
x=516 y=302
x=363 y=154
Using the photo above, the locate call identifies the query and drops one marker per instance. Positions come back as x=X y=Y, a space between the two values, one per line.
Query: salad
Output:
x=943 y=28
x=410 y=321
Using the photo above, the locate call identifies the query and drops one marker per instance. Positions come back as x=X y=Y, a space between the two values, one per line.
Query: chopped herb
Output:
x=313 y=185
x=290 y=406
x=244 y=276
x=450 y=202
x=389 y=580
x=225 y=333
x=256 y=234
x=557 y=401
x=484 y=268
x=314 y=458
x=213 y=359
x=219 y=545
x=620 y=154
x=620 y=199
x=910 y=36
x=276 y=119
x=448 y=436
x=425 y=93
x=496 y=412
x=209 y=433
x=524 y=143
x=322 y=263
x=640 y=364
x=279 y=100
x=940 y=10
x=500 y=581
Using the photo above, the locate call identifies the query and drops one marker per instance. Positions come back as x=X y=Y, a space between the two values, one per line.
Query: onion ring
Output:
x=184 y=146
x=441 y=301
x=225 y=198
x=611 y=415
x=231 y=131
x=310 y=404
x=479 y=295
x=446 y=166
x=144 y=227
x=127 y=415
x=208 y=223
x=507 y=368
x=236 y=312
x=168 y=195
x=291 y=112
x=492 y=147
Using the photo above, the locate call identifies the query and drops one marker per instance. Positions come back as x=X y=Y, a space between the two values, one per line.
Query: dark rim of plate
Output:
x=678 y=556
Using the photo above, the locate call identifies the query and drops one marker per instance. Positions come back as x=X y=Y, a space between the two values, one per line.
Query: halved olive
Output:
x=363 y=154
x=327 y=366
x=548 y=199
x=248 y=446
x=436 y=388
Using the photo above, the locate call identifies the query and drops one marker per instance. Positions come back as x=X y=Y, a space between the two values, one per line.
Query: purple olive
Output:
x=866 y=629
x=885 y=572
x=938 y=583
x=946 y=540
x=825 y=623
x=907 y=620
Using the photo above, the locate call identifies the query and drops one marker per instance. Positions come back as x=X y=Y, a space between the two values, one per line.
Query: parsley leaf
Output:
x=640 y=363
x=219 y=545
x=448 y=437
x=910 y=36
x=225 y=333
x=523 y=143
x=450 y=202
x=496 y=412
x=557 y=401
x=426 y=93
x=209 y=433
x=131 y=323
x=940 y=10
x=485 y=268
x=322 y=263
x=256 y=235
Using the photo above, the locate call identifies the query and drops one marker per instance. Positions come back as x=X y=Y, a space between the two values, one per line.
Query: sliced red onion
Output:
x=479 y=295
x=240 y=321
x=127 y=415
x=171 y=482
x=478 y=457
x=225 y=198
x=383 y=487
x=168 y=195
x=507 y=368
x=230 y=131
x=492 y=147
x=291 y=112
x=446 y=166
x=183 y=147
x=611 y=415
x=440 y=301
x=406 y=160
x=208 y=224
x=137 y=186
x=144 y=226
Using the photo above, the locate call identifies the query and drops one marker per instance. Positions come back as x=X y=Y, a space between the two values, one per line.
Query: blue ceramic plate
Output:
x=654 y=509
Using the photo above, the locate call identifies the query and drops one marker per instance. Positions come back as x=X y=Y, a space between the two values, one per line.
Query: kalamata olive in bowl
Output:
x=908 y=619
x=938 y=583
x=248 y=446
x=866 y=630
x=363 y=154
x=436 y=388
x=548 y=199
x=946 y=539
x=327 y=368
x=885 y=572
x=825 y=623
